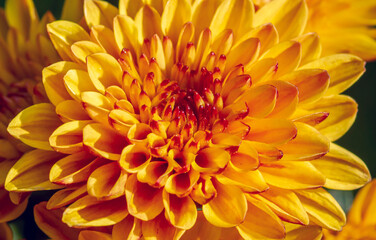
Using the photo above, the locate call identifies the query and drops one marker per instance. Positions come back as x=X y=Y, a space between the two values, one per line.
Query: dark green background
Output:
x=360 y=139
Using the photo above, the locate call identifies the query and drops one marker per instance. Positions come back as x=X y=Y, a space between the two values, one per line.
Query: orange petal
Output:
x=34 y=125
x=106 y=39
x=107 y=182
x=311 y=47
x=67 y=138
x=103 y=141
x=31 y=171
x=342 y=169
x=74 y=168
x=71 y=110
x=97 y=106
x=181 y=212
x=292 y=175
x=89 y=235
x=99 y=13
x=84 y=212
x=285 y=204
x=322 y=208
x=271 y=131
x=202 y=230
x=155 y=173
x=181 y=184
x=228 y=208
x=129 y=228
x=287 y=99
x=6 y=231
x=134 y=158
x=50 y=223
x=104 y=71
x=10 y=211
x=344 y=70
x=66 y=196
x=309 y=144
x=294 y=232
x=266 y=33
x=122 y=120
x=237 y=55
x=144 y=202
x=246 y=158
x=53 y=80
x=261 y=223
x=160 y=229
x=211 y=159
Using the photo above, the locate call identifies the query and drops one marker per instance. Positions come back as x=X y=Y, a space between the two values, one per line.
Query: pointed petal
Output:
x=129 y=228
x=106 y=39
x=97 y=106
x=72 y=10
x=134 y=158
x=84 y=212
x=82 y=49
x=76 y=82
x=71 y=110
x=160 y=229
x=66 y=196
x=342 y=169
x=287 y=99
x=21 y=15
x=311 y=47
x=126 y=34
x=148 y=21
x=10 y=211
x=89 y=235
x=202 y=230
x=99 y=13
x=298 y=232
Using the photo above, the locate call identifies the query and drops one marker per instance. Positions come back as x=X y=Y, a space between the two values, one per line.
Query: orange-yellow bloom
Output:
x=361 y=222
x=163 y=110
x=344 y=26
x=25 y=49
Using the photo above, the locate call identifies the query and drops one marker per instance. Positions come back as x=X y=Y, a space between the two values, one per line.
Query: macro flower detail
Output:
x=166 y=118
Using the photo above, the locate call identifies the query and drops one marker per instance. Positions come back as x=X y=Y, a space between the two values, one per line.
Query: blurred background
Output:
x=360 y=139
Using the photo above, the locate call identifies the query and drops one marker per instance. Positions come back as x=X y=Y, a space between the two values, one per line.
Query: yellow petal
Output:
x=211 y=159
x=228 y=208
x=298 y=232
x=76 y=82
x=66 y=196
x=71 y=110
x=63 y=34
x=103 y=142
x=342 y=112
x=104 y=71
x=134 y=158
x=175 y=14
x=307 y=145
x=143 y=201
x=99 y=13
x=74 y=168
x=67 y=138
x=266 y=33
x=181 y=212
x=97 y=106
x=155 y=173
x=181 y=184
x=342 y=169
x=82 y=49
x=31 y=171
x=203 y=12
x=10 y=211
x=363 y=207
x=21 y=15
x=202 y=230
x=126 y=34
x=72 y=10
x=148 y=21
x=88 y=235
x=292 y=175
x=289 y=17
x=322 y=208
x=129 y=228
x=270 y=227
x=344 y=70
x=53 y=80
x=236 y=15
x=84 y=212
x=130 y=7
x=106 y=39
x=34 y=125
x=107 y=182
x=311 y=47
x=50 y=222
x=287 y=99
x=285 y=204
x=244 y=52
x=160 y=229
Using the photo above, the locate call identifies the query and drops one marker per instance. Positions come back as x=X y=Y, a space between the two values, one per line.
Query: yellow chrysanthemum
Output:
x=344 y=26
x=173 y=119
x=361 y=222
x=25 y=49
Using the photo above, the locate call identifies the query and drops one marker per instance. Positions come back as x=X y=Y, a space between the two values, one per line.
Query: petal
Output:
x=202 y=230
x=53 y=81
x=103 y=142
x=181 y=184
x=66 y=196
x=246 y=158
x=74 y=168
x=298 y=232
x=344 y=70
x=71 y=110
x=67 y=138
x=122 y=120
x=50 y=222
x=228 y=208
x=126 y=34
x=88 y=235
x=175 y=14
x=292 y=175
x=34 y=125
x=287 y=99
x=160 y=229
x=211 y=159
x=76 y=82
x=129 y=228
x=261 y=223
x=63 y=34
x=311 y=47
x=134 y=158
x=144 y=202
x=342 y=113
x=99 y=13
x=31 y=171
x=84 y=212
x=6 y=231
x=155 y=173
x=104 y=71
x=10 y=211
x=236 y=56
x=266 y=33
x=82 y=49
x=72 y=10
x=107 y=182
x=202 y=14
x=97 y=106
x=148 y=21
x=289 y=17
x=342 y=169
x=322 y=208
x=285 y=204
x=21 y=15
x=307 y=145
x=271 y=131
x=106 y=39
x=181 y=212
x=236 y=15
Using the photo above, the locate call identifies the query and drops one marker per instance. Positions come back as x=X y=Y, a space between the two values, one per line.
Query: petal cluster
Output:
x=183 y=120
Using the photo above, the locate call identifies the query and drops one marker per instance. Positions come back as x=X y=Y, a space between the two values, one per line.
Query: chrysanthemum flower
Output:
x=344 y=26
x=25 y=49
x=183 y=120
x=361 y=222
